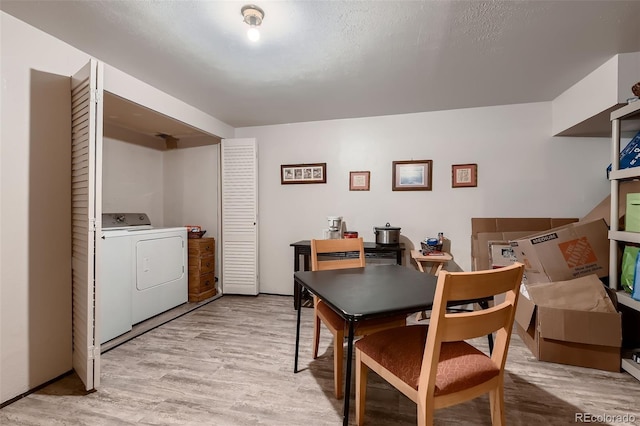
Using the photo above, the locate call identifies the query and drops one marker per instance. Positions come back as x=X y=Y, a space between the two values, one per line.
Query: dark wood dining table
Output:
x=358 y=294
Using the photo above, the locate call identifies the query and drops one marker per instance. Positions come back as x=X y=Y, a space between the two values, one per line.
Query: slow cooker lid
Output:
x=387 y=227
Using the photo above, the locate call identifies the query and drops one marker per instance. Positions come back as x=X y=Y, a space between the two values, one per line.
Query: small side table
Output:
x=434 y=263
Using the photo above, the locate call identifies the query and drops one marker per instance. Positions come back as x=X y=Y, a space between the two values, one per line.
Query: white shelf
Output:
x=630 y=173
x=626 y=111
x=631 y=367
x=629 y=237
x=625 y=299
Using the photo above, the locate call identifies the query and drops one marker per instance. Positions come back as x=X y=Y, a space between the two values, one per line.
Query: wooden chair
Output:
x=346 y=248
x=437 y=369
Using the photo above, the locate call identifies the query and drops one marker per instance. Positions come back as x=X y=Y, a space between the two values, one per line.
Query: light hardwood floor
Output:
x=230 y=362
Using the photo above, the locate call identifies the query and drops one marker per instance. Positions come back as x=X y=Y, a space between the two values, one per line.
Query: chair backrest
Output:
x=345 y=248
x=448 y=327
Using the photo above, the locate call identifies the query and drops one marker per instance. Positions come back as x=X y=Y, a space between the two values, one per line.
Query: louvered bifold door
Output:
x=86 y=145
x=239 y=172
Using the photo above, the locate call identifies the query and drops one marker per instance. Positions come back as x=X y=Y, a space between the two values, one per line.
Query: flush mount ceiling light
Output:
x=253 y=16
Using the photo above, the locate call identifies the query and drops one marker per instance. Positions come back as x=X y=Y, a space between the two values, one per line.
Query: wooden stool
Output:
x=432 y=265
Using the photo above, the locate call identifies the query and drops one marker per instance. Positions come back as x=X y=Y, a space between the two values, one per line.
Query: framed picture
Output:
x=413 y=175
x=303 y=173
x=464 y=175
x=359 y=181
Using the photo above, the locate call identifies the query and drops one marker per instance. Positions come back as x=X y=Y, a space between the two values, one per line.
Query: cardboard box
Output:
x=570 y=322
x=564 y=253
x=501 y=254
x=484 y=230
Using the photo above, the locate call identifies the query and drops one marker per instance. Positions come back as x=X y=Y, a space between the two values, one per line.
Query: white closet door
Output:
x=239 y=161
x=86 y=160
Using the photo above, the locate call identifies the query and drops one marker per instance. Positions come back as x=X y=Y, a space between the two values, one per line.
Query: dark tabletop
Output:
x=372 y=291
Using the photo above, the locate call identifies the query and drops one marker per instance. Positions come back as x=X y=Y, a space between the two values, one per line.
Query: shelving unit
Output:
x=630 y=112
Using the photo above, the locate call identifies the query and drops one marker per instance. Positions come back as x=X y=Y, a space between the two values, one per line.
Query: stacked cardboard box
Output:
x=500 y=229
x=555 y=315
x=571 y=251
x=571 y=322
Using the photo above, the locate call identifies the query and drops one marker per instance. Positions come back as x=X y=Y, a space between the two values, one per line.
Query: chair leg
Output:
x=496 y=400
x=316 y=327
x=425 y=415
x=316 y=333
x=338 y=361
x=361 y=388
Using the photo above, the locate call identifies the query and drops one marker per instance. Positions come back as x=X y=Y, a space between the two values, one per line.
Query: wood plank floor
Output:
x=230 y=362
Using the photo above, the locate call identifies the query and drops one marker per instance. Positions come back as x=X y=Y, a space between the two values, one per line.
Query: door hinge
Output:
x=92 y=224
x=91 y=352
x=96 y=96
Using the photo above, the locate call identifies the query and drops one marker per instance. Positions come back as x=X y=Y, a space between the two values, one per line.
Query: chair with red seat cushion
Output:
x=433 y=365
x=341 y=254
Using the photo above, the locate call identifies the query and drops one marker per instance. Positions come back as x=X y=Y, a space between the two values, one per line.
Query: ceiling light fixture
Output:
x=253 y=16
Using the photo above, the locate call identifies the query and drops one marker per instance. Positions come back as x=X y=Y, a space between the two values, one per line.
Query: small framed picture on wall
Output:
x=412 y=175
x=303 y=173
x=464 y=175
x=359 y=181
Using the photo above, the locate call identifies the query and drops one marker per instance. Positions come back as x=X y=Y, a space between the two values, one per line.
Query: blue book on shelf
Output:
x=630 y=155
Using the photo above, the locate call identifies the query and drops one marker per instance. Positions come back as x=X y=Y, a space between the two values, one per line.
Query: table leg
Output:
x=296 y=286
x=297 y=301
x=347 y=386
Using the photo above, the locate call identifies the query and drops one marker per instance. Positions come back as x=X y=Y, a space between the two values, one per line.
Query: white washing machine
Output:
x=144 y=271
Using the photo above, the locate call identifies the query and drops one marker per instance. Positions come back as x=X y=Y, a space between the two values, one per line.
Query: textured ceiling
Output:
x=321 y=60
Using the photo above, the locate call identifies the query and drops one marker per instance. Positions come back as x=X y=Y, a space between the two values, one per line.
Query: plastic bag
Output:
x=636 y=281
x=628 y=275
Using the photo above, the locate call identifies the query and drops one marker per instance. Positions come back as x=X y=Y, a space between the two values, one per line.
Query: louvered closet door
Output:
x=86 y=160
x=239 y=161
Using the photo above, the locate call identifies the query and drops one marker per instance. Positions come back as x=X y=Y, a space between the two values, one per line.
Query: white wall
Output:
x=522 y=172
x=35 y=250
x=132 y=180
x=191 y=188
x=175 y=188
x=35 y=200
x=605 y=88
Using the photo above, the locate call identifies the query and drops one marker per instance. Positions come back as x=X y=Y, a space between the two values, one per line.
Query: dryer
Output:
x=160 y=280
x=143 y=271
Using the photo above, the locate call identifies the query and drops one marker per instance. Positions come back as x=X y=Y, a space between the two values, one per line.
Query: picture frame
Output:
x=303 y=173
x=412 y=175
x=359 y=181
x=464 y=175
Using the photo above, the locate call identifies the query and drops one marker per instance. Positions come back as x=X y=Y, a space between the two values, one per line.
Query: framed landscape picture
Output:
x=359 y=181
x=303 y=173
x=464 y=175
x=412 y=175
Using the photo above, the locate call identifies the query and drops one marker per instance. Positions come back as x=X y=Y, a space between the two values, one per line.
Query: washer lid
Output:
x=124 y=220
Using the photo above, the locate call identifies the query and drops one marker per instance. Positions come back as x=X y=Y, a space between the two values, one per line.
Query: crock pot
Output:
x=387 y=235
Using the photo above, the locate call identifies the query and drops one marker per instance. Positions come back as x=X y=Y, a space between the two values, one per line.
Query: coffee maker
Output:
x=335 y=228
